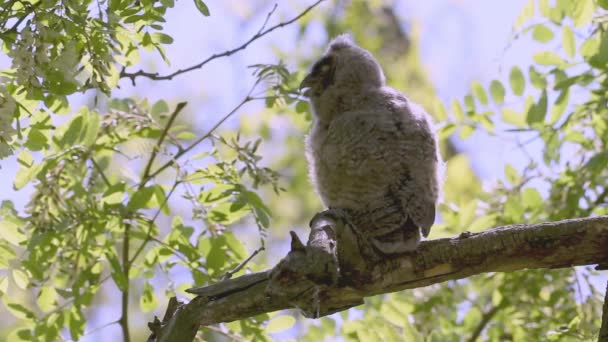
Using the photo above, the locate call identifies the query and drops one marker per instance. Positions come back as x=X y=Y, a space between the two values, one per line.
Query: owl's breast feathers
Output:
x=378 y=161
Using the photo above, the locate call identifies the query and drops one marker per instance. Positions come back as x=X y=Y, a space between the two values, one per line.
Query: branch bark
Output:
x=335 y=271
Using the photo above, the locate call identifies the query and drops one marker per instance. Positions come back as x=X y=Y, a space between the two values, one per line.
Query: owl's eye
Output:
x=323 y=66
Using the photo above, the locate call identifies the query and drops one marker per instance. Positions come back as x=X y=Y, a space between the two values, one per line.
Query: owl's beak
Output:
x=306 y=85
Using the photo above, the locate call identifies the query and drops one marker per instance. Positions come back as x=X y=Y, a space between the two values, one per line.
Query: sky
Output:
x=461 y=41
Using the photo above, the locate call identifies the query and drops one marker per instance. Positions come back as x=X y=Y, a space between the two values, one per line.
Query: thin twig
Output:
x=151 y=223
x=229 y=274
x=180 y=153
x=258 y=35
x=485 y=319
x=103 y=176
x=100 y=327
x=159 y=143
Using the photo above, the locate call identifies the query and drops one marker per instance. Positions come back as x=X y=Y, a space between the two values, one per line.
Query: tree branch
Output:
x=325 y=276
x=262 y=32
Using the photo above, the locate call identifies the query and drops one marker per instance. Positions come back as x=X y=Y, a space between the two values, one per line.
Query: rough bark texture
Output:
x=336 y=270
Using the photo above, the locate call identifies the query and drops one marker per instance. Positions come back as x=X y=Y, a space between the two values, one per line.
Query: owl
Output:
x=372 y=153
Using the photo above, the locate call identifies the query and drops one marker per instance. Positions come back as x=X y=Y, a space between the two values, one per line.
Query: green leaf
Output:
x=148 y=301
x=598 y=162
x=480 y=93
x=516 y=79
x=568 y=41
x=25 y=175
x=20 y=278
x=185 y=135
x=235 y=246
x=159 y=107
x=583 y=12
x=542 y=33
x=603 y=4
x=513 y=117
x=469 y=104
x=560 y=105
x=512 y=175
x=497 y=91
x=162 y=38
x=537 y=79
x=47 y=298
x=526 y=13
x=10 y=232
x=19 y=310
x=280 y=323
x=36 y=140
x=3 y=285
x=457 y=110
x=538 y=111
x=531 y=198
x=77 y=322
x=548 y=58
x=202 y=7
x=466 y=131
x=439 y=111
x=302 y=107
x=148 y=197
x=117 y=273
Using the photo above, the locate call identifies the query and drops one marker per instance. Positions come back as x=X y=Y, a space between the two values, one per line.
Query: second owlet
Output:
x=371 y=151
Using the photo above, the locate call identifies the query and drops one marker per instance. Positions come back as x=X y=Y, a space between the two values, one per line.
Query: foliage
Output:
x=129 y=195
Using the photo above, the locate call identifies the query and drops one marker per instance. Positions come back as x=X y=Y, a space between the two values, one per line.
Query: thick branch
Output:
x=299 y=282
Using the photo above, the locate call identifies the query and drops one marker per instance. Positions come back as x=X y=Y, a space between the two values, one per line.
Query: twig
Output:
x=180 y=153
x=124 y=300
x=485 y=319
x=229 y=274
x=100 y=327
x=159 y=143
x=258 y=35
x=151 y=224
x=103 y=176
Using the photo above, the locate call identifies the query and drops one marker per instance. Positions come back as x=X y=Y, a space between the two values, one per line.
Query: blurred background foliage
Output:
x=131 y=202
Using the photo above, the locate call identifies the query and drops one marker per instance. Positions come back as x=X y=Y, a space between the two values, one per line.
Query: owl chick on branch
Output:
x=372 y=152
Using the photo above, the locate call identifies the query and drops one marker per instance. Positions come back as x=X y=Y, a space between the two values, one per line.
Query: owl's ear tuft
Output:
x=342 y=41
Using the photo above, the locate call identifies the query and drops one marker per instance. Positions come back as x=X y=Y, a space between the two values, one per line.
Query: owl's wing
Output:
x=395 y=153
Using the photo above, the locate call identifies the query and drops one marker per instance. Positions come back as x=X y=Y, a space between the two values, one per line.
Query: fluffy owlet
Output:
x=371 y=151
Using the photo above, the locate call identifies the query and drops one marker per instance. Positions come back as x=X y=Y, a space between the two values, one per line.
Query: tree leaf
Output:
x=162 y=38
x=497 y=91
x=202 y=7
x=47 y=298
x=568 y=41
x=148 y=301
x=512 y=175
x=548 y=58
x=516 y=79
x=280 y=323
x=457 y=110
x=583 y=12
x=10 y=232
x=480 y=93
x=537 y=79
x=542 y=33
x=538 y=111
x=20 y=278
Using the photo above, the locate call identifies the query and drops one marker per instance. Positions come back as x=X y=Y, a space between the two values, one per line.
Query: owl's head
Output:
x=344 y=64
